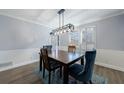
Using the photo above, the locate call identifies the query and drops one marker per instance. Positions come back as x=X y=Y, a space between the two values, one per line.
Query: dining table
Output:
x=65 y=59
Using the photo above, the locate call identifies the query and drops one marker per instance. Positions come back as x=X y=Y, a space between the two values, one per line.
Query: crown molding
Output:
x=25 y=20
x=99 y=19
x=80 y=24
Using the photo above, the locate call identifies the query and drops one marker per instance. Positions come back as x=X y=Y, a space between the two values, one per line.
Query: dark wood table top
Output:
x=65 y=57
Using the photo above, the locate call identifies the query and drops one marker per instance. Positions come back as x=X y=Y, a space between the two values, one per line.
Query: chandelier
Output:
x=62 y=28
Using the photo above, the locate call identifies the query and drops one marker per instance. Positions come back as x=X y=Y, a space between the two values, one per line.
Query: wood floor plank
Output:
x=113 y=76
x=27 y=75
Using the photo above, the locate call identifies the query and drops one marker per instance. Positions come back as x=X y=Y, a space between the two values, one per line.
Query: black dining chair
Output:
x=48 y=64
x=49 y=49
x=84 y=73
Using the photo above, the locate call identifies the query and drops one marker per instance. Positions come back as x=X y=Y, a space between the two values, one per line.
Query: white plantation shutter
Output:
x=63 y=39
x=91 y=38
x=75 y=37
x=54 y=41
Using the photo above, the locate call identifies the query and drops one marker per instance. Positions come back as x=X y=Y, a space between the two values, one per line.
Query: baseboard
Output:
x=18 y=65
x=110 y=66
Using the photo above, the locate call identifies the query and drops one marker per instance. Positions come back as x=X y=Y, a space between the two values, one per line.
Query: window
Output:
x=89 y=38
x=84 y=39
x=74 y=37
x=64 y=39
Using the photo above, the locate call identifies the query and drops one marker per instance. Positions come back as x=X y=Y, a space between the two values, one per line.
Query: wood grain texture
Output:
x=27 y=75
x=21 y=75
x=65 y=57
x=113 y=76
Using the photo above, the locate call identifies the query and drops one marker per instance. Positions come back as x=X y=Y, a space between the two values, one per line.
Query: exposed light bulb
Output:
x=58 y=32
x=61 y=32
x=64 y=31
x=69 y=30
x=55 y=33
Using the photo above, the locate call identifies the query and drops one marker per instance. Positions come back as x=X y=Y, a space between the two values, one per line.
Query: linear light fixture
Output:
x=62 y=28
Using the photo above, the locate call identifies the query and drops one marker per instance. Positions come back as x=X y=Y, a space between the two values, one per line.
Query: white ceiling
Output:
x=49 y=17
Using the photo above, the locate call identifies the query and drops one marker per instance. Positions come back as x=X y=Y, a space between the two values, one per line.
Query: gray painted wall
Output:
x=110 y=32
x=17 y=34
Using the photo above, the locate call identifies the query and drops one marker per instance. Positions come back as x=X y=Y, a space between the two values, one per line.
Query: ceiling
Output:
x=49 y=17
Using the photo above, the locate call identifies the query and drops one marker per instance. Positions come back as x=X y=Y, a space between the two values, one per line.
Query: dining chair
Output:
x=71 y=48
x=48 y=47
x=48 y=64
x=84 y=73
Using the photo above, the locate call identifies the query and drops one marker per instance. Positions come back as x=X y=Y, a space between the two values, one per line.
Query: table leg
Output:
x=65 y=74
x=82 y=60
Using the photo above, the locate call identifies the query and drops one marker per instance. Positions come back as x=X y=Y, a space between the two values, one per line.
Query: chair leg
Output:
x=53 y=71
x=91 y=82
x=43 y=72
x=61 y=71
x=85 y=82
x=49 y=76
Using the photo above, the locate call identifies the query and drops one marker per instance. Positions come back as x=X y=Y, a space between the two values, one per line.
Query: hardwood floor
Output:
x=21 y=75
x=27 y=75
x=113 y=76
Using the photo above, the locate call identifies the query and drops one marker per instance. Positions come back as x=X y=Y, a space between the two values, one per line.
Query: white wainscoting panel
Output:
x=110 y=58
x=18 y=57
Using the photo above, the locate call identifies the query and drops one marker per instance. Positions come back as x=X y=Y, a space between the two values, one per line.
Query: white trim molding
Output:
x=99 y=19
x=18 y=65
x=110 y=58
x=110 y=66
x=79 y=24
x=25 y=20
x=18 y=57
